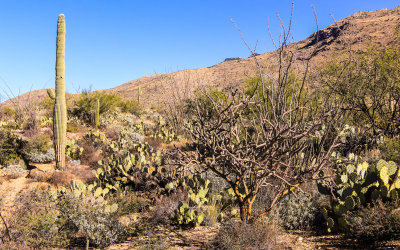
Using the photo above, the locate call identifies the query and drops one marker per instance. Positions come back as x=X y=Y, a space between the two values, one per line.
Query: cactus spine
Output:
x=97 y=114
x=60 y=110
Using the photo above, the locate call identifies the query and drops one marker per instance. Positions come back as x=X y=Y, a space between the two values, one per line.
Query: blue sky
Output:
x=111 y=42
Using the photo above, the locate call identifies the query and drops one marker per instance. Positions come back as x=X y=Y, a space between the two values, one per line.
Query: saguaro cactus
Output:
x=60 y=110
x=97 y=114
x=139 y=94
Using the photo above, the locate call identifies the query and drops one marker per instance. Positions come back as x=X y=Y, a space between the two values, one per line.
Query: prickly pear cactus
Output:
x=60 y=110
x=358 y=186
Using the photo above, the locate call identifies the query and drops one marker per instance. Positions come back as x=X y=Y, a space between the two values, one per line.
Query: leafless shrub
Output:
x=271 y=135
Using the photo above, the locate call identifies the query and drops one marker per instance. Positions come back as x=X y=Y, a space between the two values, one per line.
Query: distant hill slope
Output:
x=356 y=32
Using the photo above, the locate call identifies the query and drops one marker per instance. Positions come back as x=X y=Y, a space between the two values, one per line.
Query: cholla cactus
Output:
x=60 y=110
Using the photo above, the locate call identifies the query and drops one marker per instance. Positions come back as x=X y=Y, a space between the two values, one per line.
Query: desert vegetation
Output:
x=305 y=149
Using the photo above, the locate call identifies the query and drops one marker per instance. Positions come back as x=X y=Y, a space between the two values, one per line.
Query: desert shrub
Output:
x=60 y=179
x=354 y=140
x=164 y=207
x=38 y=157
x=238 y=235
x=297 y=211
x=89 y=214
x=376 y=222
x=390 y=149
x=85 y=104
x=38 y=149
x=39 y=143
x=75 y=125
x=37 y=221
x=90 y=156
x=8 y=111
x=130 y=106
x=10 y=147
x=128 y=203
x=73 y=150
x=368 y=85
x=13 y=171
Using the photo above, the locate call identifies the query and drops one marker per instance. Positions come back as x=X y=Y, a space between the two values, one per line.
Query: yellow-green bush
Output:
x=84 y=106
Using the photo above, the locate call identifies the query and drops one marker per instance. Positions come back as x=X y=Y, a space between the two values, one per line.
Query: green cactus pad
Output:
x=330 y=223
x=394 y=195
x=325 y=213
x=383 y=174
x=344 y=178
x=392 y=168
x=350 y=168
x=375 y=194
x=349 y=203
x=380 y=164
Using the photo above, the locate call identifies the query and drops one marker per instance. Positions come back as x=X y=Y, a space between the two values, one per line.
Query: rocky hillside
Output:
x=355 y=32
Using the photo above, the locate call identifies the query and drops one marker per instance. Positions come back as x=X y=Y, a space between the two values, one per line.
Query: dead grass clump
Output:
x=258 y=235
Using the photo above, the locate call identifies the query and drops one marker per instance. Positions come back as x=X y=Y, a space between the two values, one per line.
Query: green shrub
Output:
x=39 y=143
x=130 y=106
x=368 y=86
x=10 y=147
x=84 y=106
x=390 y=149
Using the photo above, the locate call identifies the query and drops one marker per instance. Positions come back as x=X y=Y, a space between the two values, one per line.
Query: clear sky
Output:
x=110 y=42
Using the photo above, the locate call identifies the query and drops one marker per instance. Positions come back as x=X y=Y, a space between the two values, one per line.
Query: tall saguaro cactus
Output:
x=60 y=110
x=97 y=114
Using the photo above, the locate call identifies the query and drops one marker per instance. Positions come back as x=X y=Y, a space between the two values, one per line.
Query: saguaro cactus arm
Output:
x=51 y=93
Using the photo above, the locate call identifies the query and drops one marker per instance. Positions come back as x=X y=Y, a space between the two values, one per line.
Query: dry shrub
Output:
x=31 y=131
x=112 y=134
x=155 y=143
x=373 y=223
x=90 y=156
x=82 y=172
x=165 y=206
x=13 y=244
x=39 y=175
x=238 y=235
x=60 y=179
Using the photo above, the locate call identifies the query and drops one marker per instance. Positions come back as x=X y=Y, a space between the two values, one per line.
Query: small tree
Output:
x=268 y=135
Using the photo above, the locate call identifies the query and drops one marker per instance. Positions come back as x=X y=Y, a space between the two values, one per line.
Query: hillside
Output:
x=356 y=32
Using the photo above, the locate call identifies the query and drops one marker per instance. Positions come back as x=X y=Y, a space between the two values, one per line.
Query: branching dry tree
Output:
x=269 y=135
